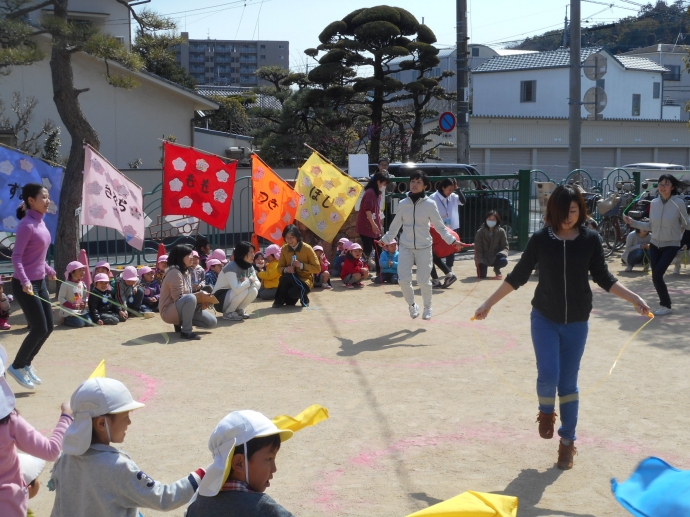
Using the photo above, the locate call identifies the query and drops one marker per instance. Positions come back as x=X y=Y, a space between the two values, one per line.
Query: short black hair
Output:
x=416 y=175
x=30 y=190
x=242 y=249
x=445 y=184
x=384 y=159
x=256 y=444
x=201 y=242
x=177 y=255
x=495 y=214
x=292 y=228
x=677 y=186
x=558 y=206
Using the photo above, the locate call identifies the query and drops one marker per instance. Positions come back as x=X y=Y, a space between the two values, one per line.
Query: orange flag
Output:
x=274 y=201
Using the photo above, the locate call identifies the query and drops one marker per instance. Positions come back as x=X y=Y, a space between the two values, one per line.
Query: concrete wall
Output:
x=217 y=142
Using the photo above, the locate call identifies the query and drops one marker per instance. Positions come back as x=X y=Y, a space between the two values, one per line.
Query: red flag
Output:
x=161 y=252
x=197 y=184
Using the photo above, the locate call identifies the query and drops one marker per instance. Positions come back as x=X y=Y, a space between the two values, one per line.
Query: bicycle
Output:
x=613 y=228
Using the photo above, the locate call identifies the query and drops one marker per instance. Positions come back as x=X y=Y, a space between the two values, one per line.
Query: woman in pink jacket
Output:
x=17 y=433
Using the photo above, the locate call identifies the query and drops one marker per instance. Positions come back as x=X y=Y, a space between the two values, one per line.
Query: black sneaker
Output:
x=190 y=335
x=449 y=280
x=178 y=328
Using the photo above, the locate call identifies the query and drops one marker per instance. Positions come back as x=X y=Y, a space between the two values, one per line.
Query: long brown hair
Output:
x=558 y=207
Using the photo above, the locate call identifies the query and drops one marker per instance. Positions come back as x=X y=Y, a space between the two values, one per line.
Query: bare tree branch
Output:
x=27 y=10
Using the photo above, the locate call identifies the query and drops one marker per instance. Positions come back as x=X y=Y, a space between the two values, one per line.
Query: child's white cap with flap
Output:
x=237 y=428
x=7 y=400
x=95 y=397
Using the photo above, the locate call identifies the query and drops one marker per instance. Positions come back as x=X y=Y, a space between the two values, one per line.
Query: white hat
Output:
x=31 y=467
x=237 y=428
x=96 y=397
x=7 y=400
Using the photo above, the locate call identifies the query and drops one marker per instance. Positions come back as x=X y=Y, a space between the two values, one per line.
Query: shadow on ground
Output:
x=348 y=348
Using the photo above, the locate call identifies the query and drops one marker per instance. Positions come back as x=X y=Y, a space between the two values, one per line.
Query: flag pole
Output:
x=326 y=159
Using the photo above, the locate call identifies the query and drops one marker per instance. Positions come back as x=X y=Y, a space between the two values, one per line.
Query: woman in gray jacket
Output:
x=668 y=216
x=491 y=246
x=416 y=214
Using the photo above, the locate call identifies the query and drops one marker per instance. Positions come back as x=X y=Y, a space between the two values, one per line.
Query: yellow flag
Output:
x=327 y=197
x=99 y=371
x=310 y=416
x=473 y=504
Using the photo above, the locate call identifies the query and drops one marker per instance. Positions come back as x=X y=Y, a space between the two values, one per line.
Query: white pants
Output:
x=407 y=258
x=239 y=300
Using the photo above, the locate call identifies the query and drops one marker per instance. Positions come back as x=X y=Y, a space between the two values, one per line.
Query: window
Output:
x=263 y=57
x=637 y=99
x=282 y=57
x=263 y=47
x=528 y=91
x=281 y=47
x=601 y=83
x=120 y=39
x=657 y=91
x=673 y=73
x=475 y=52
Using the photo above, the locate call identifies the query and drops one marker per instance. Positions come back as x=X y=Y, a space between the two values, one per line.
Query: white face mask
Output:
x=490 y=223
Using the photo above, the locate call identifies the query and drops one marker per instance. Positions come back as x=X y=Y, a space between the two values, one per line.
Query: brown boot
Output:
x=565 y=456
x=546 y=423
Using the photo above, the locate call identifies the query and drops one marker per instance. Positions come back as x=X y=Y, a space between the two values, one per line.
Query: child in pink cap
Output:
x=151 y=287
x=197 y=273
x=354 y=268
x=213 y=269
x=102 y=309
x=389 y=263
x=129 y=294
x=72 y=297
x=343 y=245
x=104 y=267
x=161 y=268
x=270 y=277
x=219 y=254
x=323 y=279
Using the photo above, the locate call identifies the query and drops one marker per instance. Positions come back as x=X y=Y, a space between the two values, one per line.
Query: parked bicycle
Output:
x=612 y=228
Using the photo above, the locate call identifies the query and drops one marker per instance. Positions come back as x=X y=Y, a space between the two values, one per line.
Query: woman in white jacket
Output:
x=237 y=285
x=668 y=216
x=416 y=213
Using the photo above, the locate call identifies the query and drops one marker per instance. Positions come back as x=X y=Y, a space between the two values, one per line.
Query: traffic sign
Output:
x=447 y=122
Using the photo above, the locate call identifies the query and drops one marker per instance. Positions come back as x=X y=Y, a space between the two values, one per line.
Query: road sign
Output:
x=447 y=122
x=595 y=66
x=595 y=101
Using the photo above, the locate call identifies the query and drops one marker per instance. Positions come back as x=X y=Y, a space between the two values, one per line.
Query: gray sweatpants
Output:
x=241 y=300
x=423 y=258
x=190 y=314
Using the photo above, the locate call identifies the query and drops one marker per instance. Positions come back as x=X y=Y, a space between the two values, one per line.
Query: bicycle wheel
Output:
x=622 y=234
x=608 y=232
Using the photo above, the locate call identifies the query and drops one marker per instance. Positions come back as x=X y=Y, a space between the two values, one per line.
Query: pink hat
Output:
x=130 y=273
x=102 y=263
x=274 y=250
x=343 y=240
x=144 y=270
x=354 y=246
x=195 y=253
x=162 y=258
x=72 y=266
x=101 y=277
x=219 y=255
x=212 y=262
x=392 y=242
x=347 y=245
x=318 y=248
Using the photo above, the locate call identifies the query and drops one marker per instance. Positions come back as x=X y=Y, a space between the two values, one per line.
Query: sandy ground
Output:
x=418 y=414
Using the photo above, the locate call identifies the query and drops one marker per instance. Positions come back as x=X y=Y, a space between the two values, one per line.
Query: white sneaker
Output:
x=21 y=377
x=663 y=311
x=31 y=372
x=233 y=316
x=414 y=311
x=676 y=268
x=427 y=313
x=628 y=269
x=243 y=313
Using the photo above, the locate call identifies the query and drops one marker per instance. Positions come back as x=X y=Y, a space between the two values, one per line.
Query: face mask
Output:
x=490 y=223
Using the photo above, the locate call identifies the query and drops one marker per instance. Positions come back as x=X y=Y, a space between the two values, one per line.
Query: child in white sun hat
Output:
x=244 y=446
x=31 y=468
x=17 y=433
x=92 y=477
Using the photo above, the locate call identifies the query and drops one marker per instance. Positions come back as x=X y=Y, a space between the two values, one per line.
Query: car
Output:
x=481 y=197
x=654 y=166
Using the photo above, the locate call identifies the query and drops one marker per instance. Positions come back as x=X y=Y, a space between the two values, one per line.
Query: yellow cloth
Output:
x=327 y=196
x=270 y=277
x=473 y=504
x=306 y=256
x=99 y=371
x=310 y=416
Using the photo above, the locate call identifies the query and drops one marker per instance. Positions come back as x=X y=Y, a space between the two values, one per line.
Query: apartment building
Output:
x=230 y=62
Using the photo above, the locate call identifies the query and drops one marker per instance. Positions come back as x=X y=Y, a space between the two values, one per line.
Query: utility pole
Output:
x=575 y=87
x=463 y=103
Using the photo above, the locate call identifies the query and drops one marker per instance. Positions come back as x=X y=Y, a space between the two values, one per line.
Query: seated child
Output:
x=151 y=287
x=197 y=273
x=71 y=296
x=270 y=278
x=244 y=444
x=354 y=269
x=17 y=433
x=203 y=248
x=130 y=295
x=102 y=310
x=161 y=268
x=31 y=468
x=389 y=263
x=323 y=279
x=104 y=267
x=259 y=261
x=213 y=269
x=5 y=309
x=219 y=255
x=343 y=245
x=94 y=478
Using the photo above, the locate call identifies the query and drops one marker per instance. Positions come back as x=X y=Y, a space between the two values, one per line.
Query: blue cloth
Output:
x=385 y=257
x=656 y=489
x=16 y=170
x=637 y=257
x=558 y=348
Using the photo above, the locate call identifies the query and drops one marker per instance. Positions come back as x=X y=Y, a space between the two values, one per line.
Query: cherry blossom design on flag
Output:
x=135 y=212
x=352 y=192
x=46 y=183
x=10 y=223
x=259 y=173
x=274 y=188
x=306 y=181
x=179 y=164
x=335 y=217
x=129 y=231
x=186 y=202
x=276 y=234
x=287 y=218
x=176 y=185
x=292 y=203
x=316 y=170
x=95 y=188
x=304 y=213
x=220 y=195
x=26 y=165
x=201 y=165
x=262 y=218
x=322 y=225
x=328 y=185
x=97 y=211
x=302 y=200
x=52 y=208
x=6 y=167
x=222 y=176
x=206 y=207
x=339 y=201
x=97 y=166
x=315 y=209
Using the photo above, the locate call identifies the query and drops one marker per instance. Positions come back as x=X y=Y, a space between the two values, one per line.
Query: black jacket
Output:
x=99 y=303
x=563 y=294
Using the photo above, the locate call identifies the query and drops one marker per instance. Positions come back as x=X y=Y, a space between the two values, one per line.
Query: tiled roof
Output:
x=664 y=48
x=559 y=59
x=262 y=101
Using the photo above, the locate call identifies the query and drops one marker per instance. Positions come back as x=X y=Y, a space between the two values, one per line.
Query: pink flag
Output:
x=110 y=199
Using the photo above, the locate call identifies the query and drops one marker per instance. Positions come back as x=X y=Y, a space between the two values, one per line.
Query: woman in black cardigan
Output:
x=566 y=252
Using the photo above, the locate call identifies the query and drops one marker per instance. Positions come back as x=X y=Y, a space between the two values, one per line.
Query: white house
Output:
x=537 y=85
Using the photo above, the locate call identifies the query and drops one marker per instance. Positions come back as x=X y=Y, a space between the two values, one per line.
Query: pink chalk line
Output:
x=327 y=499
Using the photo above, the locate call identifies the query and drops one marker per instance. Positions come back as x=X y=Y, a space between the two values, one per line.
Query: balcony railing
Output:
x=248 y=59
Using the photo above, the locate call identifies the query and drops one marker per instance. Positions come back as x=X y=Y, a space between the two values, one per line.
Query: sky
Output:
x=301 y=21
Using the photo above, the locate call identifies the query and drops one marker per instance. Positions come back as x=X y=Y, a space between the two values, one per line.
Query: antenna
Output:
x=565 y=29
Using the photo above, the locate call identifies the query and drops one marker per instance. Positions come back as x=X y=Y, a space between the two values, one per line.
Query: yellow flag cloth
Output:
x=99 y=371
x=327 y=197
x=310 y=416
x=473 y=504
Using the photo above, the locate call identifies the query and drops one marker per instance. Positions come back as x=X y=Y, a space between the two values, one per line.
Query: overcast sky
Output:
x=301 y=21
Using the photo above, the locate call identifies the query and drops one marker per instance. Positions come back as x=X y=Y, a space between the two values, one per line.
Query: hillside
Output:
x=659 y=24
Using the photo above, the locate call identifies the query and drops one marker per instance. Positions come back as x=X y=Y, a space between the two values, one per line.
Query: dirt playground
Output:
x=418 y=414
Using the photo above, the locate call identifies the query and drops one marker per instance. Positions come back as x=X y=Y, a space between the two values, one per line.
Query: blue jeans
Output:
x=661 y=258
x=637 y=257
x=559 y=349
x=500 y=262
x=77 y=321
